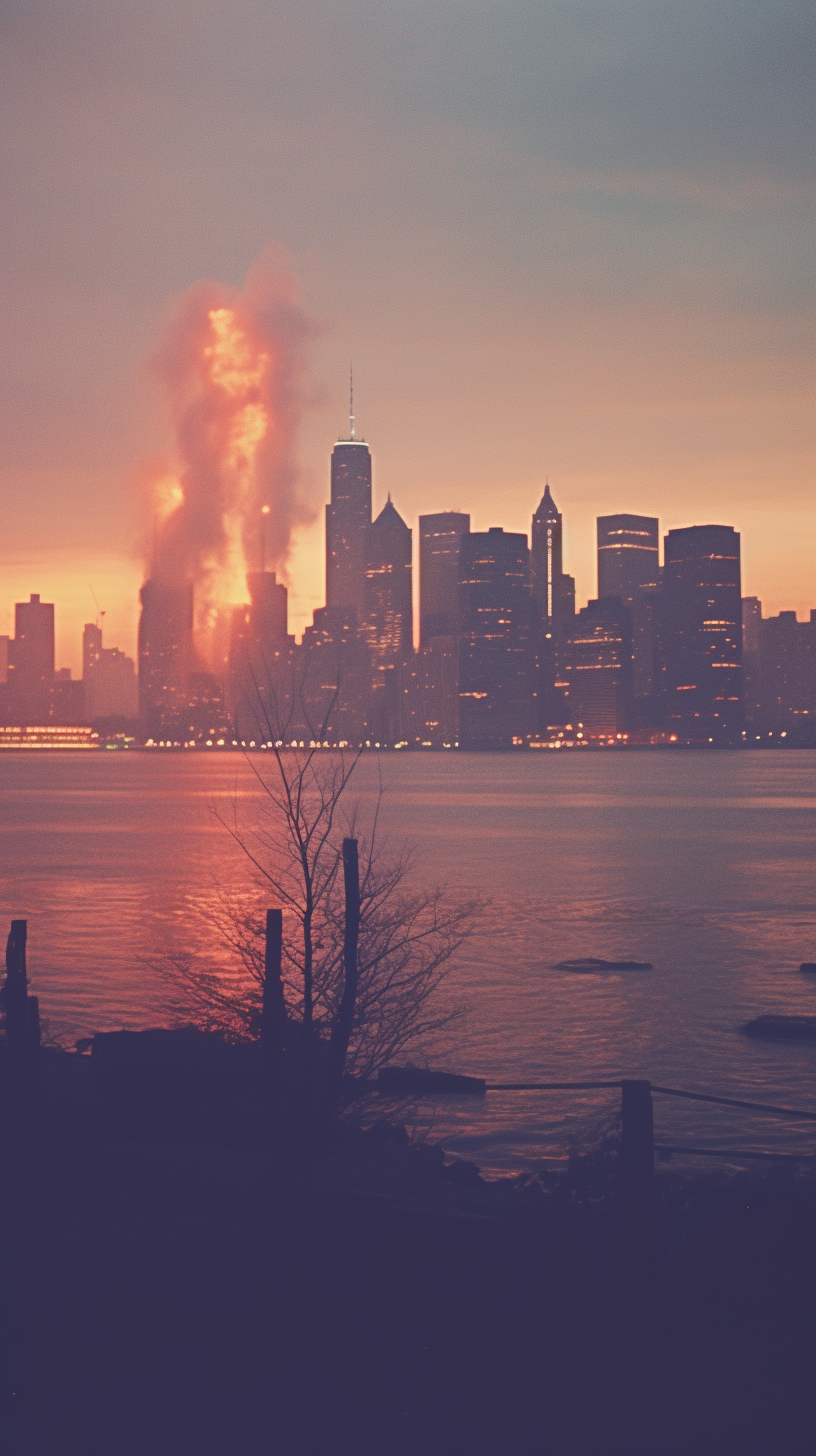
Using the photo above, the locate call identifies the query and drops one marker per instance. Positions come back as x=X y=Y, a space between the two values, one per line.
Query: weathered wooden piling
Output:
x=273 y=1013
x=341 y=1032
x=22 y=1041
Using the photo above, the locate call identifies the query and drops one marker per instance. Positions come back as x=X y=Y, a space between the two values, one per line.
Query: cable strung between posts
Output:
x=734 y=1102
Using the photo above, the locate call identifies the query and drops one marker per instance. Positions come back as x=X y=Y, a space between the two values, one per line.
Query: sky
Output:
x=559 y=239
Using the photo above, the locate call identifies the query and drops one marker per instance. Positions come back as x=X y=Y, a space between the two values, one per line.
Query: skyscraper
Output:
x=703 y=617
x=348 y=515
x=166 y=658
x=109 y=678
x=31 y=661
x=335 y=677
x=388 y=615
x=260 y=656
x=628 y=555
x=495 y=657
x=553 y=607
x=439 y=539
x=600 y=668
x=779 y=662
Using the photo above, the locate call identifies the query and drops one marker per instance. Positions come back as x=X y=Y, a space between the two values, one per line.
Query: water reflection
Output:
x=699 y=863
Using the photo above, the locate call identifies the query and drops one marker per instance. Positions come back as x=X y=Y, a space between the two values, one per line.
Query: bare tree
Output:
x=347 y=1010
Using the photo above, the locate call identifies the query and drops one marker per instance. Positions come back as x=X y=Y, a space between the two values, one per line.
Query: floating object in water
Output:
x=591 y=963
x=787 y=1028
x=808 y=968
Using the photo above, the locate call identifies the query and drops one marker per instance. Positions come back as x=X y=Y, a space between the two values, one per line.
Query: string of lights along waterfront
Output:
x=663 y=655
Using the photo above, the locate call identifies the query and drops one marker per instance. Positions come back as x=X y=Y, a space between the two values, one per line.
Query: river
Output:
x=700 y=862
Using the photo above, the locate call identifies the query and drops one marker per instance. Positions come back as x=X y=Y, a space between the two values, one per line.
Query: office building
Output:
x=553 y=608
x=31 y=662
x=68 y=700
x=335 y=679
x=648 y=657
x=779 y=662
x=599 y=669
x=628 y=555
x=432 y=695
x=495 y=648
x=109 y=676
x=348 y=516
x=439 y=538
x=388 y=617
x=166 y=659
x=703 y=624
x=259 y=672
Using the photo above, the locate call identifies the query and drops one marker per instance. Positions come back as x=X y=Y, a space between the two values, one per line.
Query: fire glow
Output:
x=233 y=366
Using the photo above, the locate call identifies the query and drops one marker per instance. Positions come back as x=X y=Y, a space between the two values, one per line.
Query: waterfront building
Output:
x=439 y=539
x=109 y=676
x=166 y=659
x=31 y=662
x=599 y=669
x=553 y=609
x=68 y=704
x=779 y=660
x=259 y=671
x=335 y=678
x=388 y=618
x=495 y=649
x=703 y=618
x=629 y=569
x=432 y=693
x=649 y=657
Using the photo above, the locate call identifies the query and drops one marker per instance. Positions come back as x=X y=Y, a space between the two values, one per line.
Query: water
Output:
x=699 y=862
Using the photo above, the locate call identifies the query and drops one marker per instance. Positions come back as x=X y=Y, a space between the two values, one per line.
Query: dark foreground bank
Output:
x=171 y=1296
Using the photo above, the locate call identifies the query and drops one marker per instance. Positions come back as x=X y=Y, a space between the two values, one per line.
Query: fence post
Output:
x=273 y=1013
x=637 y=1149
x=23 y=1039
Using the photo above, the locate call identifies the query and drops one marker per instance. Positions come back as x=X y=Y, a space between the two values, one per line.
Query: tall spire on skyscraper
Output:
x=351 y=401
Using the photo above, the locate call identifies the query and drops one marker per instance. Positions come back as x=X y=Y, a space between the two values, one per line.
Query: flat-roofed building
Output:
x=703 y=624
x=495 y=646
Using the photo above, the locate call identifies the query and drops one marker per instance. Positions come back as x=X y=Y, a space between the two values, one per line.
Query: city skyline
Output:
x=663 y=653
x=71 y=588
x=616 y=295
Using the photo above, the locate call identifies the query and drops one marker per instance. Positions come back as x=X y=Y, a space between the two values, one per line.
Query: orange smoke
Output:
x=234 y=366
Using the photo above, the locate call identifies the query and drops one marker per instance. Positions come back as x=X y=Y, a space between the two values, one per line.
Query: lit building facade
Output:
x=703 y=625
x=779 y=661
x=553 y=609
x=495 y=647
x=348 y=516
x=388 y=618
x=628 y=555
x=599 y=669
x=166 y=659
x=31 y=662
x=439 y=539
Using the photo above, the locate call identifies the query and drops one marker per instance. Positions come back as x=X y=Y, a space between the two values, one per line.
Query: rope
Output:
x=734 y=1102
x=545 y=1086
x=733 y=1153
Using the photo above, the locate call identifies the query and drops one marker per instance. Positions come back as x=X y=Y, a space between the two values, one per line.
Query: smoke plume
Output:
x=234 y=367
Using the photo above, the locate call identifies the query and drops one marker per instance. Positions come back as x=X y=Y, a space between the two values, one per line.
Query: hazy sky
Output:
x=558 y=237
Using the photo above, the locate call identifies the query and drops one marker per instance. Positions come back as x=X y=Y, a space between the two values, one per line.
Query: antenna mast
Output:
x=351 y=401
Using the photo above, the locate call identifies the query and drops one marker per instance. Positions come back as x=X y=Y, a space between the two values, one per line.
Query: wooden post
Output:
x=637 y=1150
x=273 y=1013
x=15 y=991
x=23 y=1038
x=344 y=1024
x=276 y=1076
